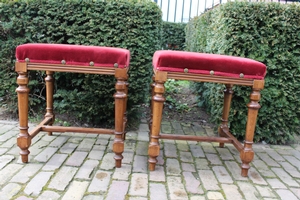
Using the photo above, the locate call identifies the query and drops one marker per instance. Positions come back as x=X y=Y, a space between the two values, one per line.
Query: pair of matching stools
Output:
x=178 y=65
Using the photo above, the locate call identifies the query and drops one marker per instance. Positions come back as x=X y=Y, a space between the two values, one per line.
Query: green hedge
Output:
x=134 y=25
x=173 y=36
x=267 y=32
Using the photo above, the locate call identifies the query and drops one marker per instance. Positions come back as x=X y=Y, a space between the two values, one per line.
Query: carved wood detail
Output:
x=24 y=138
x=246 y=151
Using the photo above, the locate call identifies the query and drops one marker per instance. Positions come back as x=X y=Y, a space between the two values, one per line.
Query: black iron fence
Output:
x=184 y=10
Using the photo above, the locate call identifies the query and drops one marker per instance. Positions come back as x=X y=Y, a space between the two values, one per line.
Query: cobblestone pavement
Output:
x=81 y=166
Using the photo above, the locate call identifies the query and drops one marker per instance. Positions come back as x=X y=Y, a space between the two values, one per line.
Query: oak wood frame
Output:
x=24 y=138
x=158 y=89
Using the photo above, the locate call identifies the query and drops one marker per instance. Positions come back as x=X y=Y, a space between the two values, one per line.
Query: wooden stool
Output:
x=213 y=68
x=77 y=59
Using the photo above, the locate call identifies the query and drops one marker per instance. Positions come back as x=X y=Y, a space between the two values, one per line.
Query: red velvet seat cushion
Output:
x=202 y=63
x=73 y=55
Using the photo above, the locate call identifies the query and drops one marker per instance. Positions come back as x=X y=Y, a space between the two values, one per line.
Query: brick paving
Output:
x=81 y=166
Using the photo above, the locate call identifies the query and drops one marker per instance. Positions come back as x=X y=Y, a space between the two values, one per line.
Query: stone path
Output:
x=81 y=166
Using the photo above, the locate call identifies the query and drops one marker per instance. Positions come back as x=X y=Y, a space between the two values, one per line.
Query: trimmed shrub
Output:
x=269 y=33
x=134 y=25
x=173 y=36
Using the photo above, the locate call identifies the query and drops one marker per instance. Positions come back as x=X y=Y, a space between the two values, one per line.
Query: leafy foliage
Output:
x=269 y=33
x=173 y=36
x=173 y=88
x=134 y=25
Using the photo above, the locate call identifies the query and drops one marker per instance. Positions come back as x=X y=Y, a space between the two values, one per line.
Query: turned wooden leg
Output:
x=247 y=154
x=120 y=99
x=157 y=109
x=24 y=139
x=125 y=110
x=226 y=108
x=49 y=96
x=151 y=105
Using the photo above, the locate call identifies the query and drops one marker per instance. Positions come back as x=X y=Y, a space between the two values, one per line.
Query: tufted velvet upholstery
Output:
x=213 y=64
x=73 y=55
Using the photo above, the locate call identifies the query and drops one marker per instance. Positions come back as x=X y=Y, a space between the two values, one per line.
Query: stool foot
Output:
x=153 y=152
x=221 y=134
x=118 y=162
x=152 y=164
x=24 y=157
x=24 y=142
x=245 y=169
x=118 y=148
